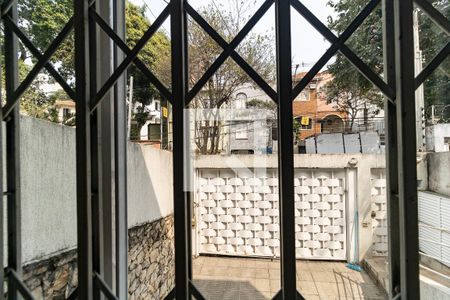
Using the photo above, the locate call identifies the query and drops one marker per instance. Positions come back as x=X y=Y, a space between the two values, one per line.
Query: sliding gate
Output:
x=238 y=213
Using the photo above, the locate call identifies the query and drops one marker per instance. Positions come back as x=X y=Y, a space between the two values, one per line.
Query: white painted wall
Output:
x=436 y=136
x=49 y=187
x=150 y=184
x=439 y=172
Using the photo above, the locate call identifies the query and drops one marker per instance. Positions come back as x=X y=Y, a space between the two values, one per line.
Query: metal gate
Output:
x=93 y=100
x=238 y=213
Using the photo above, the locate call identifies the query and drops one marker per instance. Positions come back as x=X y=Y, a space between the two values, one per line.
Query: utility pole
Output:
x=420 y=101
x=130 y=107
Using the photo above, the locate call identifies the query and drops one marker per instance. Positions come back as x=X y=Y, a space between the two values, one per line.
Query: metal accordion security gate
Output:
x=101 y=59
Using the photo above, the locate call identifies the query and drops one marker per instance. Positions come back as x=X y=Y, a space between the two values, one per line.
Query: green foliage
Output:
x=42 y=20
x=349 y=90
x=367 y=43
x=261 y=104
x=432 y=39
x=154 y=54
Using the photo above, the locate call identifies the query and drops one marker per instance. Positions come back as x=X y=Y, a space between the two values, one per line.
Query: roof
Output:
x=319 y=76
x=64 y=103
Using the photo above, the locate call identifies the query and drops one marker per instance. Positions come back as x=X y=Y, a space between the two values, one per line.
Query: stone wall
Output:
x=150 y=263
x=151 y=260
x=52 y=278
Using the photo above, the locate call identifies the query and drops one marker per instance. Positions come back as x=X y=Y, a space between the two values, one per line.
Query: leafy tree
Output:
x=256 y=49
x=432 y=39
x=45 y=19
x=349 y=89
x=42 y=20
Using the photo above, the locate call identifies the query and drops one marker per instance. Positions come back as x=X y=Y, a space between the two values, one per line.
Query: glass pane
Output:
x=235 y=187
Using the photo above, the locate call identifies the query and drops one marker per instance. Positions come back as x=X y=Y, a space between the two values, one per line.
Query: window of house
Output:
x=274 y=133
x=66 y=112
x=157 y=105
x=303 y=96
x=241 y=101
x=154 y=132
x=241 y=131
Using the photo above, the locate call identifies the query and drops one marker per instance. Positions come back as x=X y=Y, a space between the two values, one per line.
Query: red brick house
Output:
x=313 y=112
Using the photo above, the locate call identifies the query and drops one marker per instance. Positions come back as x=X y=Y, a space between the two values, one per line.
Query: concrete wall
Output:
x=430 y=289
x=439 y=172
x=437 y=137
x=49 y=187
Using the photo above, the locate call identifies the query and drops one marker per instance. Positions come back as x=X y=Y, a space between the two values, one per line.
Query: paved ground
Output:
x=253 y=279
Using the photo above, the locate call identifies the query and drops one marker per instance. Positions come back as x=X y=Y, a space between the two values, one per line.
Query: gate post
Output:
x=285 y=149
x=406 y=150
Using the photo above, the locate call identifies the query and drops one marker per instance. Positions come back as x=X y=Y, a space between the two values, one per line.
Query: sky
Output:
x=307 y=44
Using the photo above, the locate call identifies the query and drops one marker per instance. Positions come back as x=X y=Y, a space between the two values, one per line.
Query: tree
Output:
x=367 y=43
x=154 y=55
x=45 y=19
x=256 y=49
x=349 y=91
x=432 y=39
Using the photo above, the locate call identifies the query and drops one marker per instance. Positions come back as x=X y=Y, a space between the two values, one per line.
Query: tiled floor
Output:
x=253 y=279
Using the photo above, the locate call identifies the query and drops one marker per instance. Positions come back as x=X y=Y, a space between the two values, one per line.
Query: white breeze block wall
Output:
x=237 y=205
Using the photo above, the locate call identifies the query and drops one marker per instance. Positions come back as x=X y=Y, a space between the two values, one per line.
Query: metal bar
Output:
x=83 y=151
x=171 y=295
x=179 y=87
x=73 y=295
x=120 y=158
x=344 y=50
x=278 y=296
x=433 y=65
x=406 y=145
x=119 y=42
x=391 y=153
x=434 y=14
x=104 y=68
x=234 y=55
x=104 y=288
x=2 y=210
x=195 y=292
x=97 y=164
x=231 y=47
x=286 y=149
x=43 y=61
x=21 y=287
x=130 y=58
x=6 y=6
x=13 y=158
x=188 y=161
x=354 y=25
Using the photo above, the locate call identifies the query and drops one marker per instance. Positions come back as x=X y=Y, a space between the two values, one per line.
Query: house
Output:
x=151 y=130
x=310 y=108
x=314 y=114
x=65 y=110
